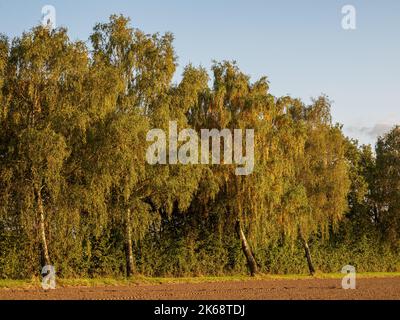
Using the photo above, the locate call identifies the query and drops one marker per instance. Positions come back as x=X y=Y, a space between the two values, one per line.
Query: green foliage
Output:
x=76 y=191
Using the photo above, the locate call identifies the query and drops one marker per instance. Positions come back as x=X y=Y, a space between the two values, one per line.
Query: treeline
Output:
x=77 y=193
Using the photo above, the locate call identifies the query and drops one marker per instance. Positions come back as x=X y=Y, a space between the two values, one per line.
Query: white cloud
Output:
x=369 y=134
x=377 y=130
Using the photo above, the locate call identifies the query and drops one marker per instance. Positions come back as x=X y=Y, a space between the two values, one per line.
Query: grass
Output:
x=141 y=280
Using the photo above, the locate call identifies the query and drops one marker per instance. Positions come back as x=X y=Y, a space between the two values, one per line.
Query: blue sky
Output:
x=299 y=45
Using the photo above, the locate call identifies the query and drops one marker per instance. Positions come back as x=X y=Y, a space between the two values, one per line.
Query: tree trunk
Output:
x=308 y=255
x=251 y=261
x=42 y=230
x=130 y=266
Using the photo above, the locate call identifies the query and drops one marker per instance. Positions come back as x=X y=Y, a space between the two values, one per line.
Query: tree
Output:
x=323 y=173
x=4 y=52
x=386 y=188
x=145 y=65
x=361 y=163
x=235 y=103
x=75 y=183
x=44 y=71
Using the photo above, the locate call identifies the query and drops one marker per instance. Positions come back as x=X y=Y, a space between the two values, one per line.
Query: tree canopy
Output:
x=77 y=192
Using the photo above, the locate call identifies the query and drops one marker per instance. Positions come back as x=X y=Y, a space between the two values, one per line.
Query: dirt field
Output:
x=373 y=288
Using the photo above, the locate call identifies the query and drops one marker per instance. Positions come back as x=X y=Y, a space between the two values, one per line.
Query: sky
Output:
x=299 y=45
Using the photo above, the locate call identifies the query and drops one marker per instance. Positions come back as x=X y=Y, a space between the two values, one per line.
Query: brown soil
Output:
x=314 y=289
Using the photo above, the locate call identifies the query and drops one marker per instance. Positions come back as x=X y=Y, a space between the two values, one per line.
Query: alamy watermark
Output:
x=349 y=20
x=349 y=280
x=49 y=17
x=196 y=150
x=191 y=152
x=48 y=277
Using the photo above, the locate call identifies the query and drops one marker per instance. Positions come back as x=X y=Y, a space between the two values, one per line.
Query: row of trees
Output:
x=76 y=191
